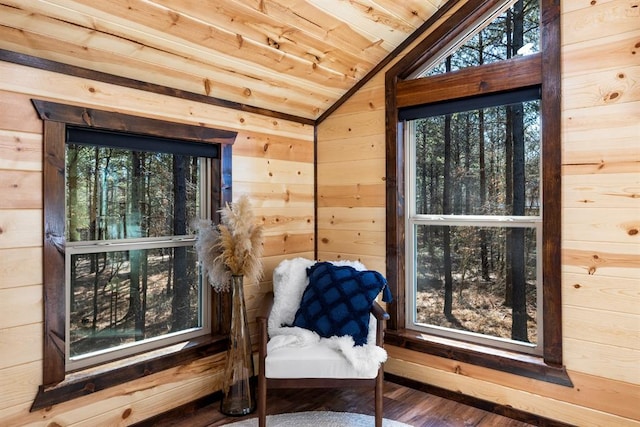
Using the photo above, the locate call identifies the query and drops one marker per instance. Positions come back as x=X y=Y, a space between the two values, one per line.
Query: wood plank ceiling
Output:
x=296 y=57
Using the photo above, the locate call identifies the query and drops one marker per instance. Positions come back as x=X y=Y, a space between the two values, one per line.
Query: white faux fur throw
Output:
x=289 y=282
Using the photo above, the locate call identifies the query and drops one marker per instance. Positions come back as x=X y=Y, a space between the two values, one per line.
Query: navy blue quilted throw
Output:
x=338 y=301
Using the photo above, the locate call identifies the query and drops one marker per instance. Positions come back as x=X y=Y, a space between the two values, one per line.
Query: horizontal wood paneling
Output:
x=602 y=326
x=19 y=384
x=586 y=21
x=20 y=267
x=612 y=52
x=598 y=258
x=618 y=363
x=272 y=164
x=620 y=225
x=602 y=292
x=361 y=148
x=266 y=194
x=272 y=171
x=616 y=190
x=347 y=218
x=602 y=88
x=359 y=242
x=20 y=306
x=294 y=58
x=252 y=144
x=18 y=113
x=21 y=189
x=293 y=220
x=611 y=402
x=137 y=401
x=351 y=195
x=601 y=218
x=363 y=124
x=20 y=150
x=20 y=228
x=89 y=93
x=21 y=344
x=362 y=172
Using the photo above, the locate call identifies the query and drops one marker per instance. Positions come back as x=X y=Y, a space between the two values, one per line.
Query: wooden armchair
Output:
x=314 y=366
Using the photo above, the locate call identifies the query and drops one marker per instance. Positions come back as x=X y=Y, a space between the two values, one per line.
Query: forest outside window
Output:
x=474 y=190
x=132 y=276
x=474 y=221
x=123 y=293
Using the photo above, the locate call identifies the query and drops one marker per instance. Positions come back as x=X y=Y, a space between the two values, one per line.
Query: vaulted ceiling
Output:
x=296 y=57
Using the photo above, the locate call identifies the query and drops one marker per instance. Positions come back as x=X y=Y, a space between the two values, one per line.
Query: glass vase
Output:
x=238 y=395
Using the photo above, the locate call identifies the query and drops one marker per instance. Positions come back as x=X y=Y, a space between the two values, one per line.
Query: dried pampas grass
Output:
x=234 y=247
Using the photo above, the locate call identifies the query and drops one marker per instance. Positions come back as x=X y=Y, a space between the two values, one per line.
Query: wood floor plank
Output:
x=411 y=406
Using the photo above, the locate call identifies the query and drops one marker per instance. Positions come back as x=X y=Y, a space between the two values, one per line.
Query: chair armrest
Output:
x=379 y=312
x=381 y=316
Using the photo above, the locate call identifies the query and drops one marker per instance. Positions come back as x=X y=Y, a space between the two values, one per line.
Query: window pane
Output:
x=477 y=279
x=480 y=162
x=121 y=297
x=514 y=33
x=121 y=194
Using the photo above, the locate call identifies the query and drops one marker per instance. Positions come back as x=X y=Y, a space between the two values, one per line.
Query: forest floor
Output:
x=478 y=307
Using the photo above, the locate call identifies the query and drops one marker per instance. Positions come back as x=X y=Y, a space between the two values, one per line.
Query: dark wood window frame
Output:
x=541 y=69
x=57 y=385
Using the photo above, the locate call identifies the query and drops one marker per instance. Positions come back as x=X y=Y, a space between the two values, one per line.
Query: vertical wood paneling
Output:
x=272 y=164
x=600 y=157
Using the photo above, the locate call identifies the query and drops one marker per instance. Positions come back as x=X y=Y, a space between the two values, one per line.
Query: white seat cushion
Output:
x=313 y=361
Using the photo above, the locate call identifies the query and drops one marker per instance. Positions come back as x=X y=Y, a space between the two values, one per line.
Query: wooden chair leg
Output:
x=378 y=398
x=262 y=401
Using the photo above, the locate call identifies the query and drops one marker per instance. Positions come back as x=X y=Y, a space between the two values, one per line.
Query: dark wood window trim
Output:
x=543 y=69
x=57 y=385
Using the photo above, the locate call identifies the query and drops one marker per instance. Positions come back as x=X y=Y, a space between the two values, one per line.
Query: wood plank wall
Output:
x=272 y=163
x=601 y=220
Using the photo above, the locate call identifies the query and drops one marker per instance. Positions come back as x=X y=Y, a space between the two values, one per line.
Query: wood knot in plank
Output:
x=274 y=44
x=611 y=96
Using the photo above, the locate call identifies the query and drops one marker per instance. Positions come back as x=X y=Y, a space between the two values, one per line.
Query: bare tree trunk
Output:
x=446 y=206
x=135 y=230
x=519 y=301
x=180 y=302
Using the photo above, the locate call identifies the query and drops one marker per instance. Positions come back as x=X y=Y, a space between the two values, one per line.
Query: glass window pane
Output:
x=480 y=162
x=122 y=297
x=121 y=194
x=477 y=279
x=514 y=33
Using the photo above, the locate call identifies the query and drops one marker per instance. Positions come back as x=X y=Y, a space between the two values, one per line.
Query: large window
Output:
x=123 y=291
x=474 y=221
x=473 y=190
x=132 y=276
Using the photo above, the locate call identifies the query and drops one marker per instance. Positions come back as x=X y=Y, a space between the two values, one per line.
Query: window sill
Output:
x=87 y=381
x=488 y=357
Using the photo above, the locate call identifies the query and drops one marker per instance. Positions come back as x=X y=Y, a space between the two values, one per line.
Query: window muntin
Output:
x=474 y=223
x=132 y=278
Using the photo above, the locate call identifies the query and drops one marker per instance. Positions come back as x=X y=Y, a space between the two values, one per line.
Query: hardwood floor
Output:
x=411 y=406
